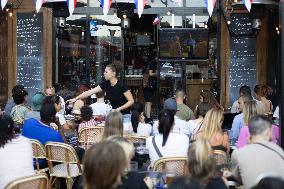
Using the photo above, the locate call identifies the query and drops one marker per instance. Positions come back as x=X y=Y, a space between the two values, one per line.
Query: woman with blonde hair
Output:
x=212 y=131
x=201 y=165
x=250 y=110
x=113 y=125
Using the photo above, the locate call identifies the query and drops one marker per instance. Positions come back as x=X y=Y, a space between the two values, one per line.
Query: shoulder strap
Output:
x=271 y=149
x=156 y=148
x=197 y=129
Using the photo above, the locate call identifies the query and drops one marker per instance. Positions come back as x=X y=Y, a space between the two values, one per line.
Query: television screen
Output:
x=184 y=43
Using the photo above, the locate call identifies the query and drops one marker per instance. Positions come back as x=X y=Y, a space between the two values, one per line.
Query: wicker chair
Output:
x=38 y=153
x=176 y=164
x=220 y=157
x=89 y=136
x=39 y=181
x=69 y=166
x=136 y=139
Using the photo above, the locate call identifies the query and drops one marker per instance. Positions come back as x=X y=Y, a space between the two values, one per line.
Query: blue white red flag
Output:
x=38 y=4
x=71 y=5
x=106 y=5
x=248 y=4
x=140 y=4
x=210 y=4
x=3 y=3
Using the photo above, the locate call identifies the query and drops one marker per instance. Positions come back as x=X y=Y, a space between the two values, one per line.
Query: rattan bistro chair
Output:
x=136 y=139
x=176 y=164
x=38 y=153
x=220 y=157
x=39 y=181
x=69 y=164
x=90 y=135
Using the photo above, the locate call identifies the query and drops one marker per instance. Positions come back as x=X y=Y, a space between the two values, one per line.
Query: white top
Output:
x=16 y=160
x=144 y=129
x=176 y=146
x=62 y=111
x=127 y=128
x=194 y=126
x=276 y=112
x=180 y=126
x=100 y=108
x=61 y=118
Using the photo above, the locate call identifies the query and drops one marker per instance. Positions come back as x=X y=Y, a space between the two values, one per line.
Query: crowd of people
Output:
x=178 y=132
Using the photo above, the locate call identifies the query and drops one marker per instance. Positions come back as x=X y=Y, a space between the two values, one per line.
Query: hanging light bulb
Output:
x=124 y=16
x=10 y=14
x=228 y=22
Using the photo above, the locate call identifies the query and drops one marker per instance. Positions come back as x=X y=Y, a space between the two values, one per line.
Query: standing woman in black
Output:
x=151 y=86
x=117 y=92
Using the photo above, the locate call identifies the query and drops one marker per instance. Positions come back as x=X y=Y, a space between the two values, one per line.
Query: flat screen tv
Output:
x=183 y=43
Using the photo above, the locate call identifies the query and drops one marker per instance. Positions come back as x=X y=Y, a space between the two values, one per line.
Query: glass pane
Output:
x=105 y=47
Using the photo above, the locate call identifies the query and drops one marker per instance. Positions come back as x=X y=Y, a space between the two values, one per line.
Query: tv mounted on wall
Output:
x=183 y=43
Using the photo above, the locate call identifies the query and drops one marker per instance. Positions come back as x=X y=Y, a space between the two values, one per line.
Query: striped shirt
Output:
x=86 y=124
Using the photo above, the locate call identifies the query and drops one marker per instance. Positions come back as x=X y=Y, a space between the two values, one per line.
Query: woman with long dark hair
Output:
x=167 y=143
x=16 y=155
x=139 y=125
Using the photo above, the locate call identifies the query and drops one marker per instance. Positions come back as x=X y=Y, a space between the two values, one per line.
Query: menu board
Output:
x=242 y=69
x=30 y=51
x=241 y=24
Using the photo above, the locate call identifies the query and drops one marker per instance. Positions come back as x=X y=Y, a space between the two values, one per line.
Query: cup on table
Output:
x=169 y=177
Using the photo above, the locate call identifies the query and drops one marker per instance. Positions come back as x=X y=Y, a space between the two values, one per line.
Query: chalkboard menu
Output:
x=241 y=24
x=243 y=65
x=30 y=52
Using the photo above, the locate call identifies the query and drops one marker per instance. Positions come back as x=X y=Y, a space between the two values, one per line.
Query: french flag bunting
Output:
x=210 y=4
x=248 y=4
x=106 y=5
x=3 y=3
x=140 y=4
x=38 y=4
x=71 y=5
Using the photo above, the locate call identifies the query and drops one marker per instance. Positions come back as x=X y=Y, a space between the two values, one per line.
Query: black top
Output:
x=115 y=94
x=133 y=180
x=153 y=79
x=216 y=183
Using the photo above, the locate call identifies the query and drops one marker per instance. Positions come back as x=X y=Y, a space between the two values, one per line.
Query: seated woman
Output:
x=207 y=96
x=132 y=180
x=87 y=117
x=113 y=125
x=140 y=127
x=19 y=111
x=104 y=165
x=196 y=124
x=212 y=131
x=16 y=154
x=201 y=165
x=55 y=100
x=166 y=143
x=265 y=92
x=250 y=110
